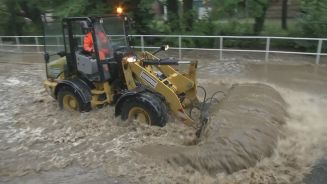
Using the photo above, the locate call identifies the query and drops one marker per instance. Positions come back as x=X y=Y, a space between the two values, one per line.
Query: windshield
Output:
x=103 y=42
x=115 y=29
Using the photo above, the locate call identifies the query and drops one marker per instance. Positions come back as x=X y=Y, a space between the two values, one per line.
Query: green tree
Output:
x=237 y=9
x=284 y=14
x=142 y=14
x=32 y=10
x=180 y=15
x=64 y=8
x=22 y=16
x=313 y=21
x=258 y=9
x=3 y=13
x=227 y=9
x=13 y=24
x=188 y=15
x=138 y=10
x=173 y=17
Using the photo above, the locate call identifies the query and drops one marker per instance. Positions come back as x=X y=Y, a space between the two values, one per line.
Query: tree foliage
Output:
x=173 y=17
x=313 y=21
x=232 y=9
x=24 y=16
x=188 y=15
x=64 y=8
x=181 y=15
x=284 y=14
x=142 y=14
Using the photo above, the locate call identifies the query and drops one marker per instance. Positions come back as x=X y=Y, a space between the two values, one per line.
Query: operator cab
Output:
x=107 y=34
x=95 y=47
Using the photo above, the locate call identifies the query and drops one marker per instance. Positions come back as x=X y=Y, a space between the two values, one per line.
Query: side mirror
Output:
x=162 y=48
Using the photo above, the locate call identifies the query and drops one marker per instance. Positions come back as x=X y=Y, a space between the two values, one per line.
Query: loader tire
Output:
x=145 y=108
x=70 y=100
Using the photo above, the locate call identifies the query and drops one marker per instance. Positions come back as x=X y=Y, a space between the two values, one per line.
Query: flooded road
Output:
x=41 y=144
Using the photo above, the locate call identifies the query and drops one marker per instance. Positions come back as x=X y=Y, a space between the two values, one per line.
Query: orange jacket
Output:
x=89 y=45
x=88 y=42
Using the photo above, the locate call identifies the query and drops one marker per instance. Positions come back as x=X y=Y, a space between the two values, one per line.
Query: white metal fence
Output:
x=15 y=44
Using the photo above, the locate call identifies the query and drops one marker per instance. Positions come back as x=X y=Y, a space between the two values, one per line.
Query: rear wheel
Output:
x=145 y=108
x=69 y=100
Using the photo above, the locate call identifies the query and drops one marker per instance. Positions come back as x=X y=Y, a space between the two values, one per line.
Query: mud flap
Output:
x=79 y=86
x=126 y=95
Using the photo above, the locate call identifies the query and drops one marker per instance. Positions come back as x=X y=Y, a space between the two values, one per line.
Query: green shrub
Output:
x=233 y=27
x=313 y=23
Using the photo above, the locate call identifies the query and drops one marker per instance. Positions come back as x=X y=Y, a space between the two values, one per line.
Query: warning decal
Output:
x=148 y=79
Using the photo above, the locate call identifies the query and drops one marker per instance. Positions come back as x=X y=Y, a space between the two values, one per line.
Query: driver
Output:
x=88 y=44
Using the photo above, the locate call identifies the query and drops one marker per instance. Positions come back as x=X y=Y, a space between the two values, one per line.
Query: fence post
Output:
x=18 y=44
x=58 y=44
x=267 y=49
x=37 y=44
x=142 y=43
x=318 y=52
x=180 y=46
x=221 y=47
x=1 y=43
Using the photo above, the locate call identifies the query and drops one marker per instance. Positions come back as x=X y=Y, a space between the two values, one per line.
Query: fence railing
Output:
x=15 y=44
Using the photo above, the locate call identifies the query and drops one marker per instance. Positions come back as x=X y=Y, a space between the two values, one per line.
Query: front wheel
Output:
x=69 y=100
x=145 y=108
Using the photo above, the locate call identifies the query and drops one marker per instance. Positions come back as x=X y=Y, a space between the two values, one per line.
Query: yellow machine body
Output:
x=170 y=88
x=178 y=89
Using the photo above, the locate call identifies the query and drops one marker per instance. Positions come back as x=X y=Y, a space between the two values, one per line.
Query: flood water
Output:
x=41 y=144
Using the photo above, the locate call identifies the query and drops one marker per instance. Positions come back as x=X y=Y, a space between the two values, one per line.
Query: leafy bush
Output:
x=234 y=27
x=313 y=23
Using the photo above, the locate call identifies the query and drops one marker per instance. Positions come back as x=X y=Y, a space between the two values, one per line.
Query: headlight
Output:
x=131 y=59
x=166 y=47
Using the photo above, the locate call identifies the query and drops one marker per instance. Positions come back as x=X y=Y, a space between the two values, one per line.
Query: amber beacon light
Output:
x=119 y=10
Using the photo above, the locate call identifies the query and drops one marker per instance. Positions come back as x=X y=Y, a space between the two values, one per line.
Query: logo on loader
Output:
x=148 y=79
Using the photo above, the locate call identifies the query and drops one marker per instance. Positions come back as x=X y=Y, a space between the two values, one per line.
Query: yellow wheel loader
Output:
x=142 y=87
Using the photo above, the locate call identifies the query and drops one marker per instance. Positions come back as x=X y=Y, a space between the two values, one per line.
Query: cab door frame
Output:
x=70 y=47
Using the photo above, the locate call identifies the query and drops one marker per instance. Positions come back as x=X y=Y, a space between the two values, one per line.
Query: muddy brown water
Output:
x=41 y=144
x=243 y=131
